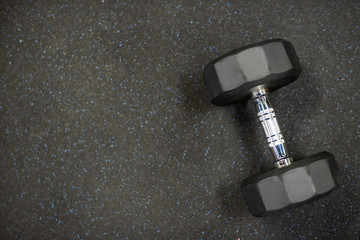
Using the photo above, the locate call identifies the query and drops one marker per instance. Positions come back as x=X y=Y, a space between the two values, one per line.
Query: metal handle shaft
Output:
x=268 y=120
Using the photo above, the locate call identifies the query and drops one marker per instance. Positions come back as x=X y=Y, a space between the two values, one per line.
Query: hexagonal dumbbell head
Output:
x=270 y=64
x=303 y=181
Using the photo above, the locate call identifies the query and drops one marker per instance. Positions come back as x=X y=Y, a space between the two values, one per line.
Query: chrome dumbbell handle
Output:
x=268 y=120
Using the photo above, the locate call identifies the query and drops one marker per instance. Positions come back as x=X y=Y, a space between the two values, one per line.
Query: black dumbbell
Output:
x=251 y=72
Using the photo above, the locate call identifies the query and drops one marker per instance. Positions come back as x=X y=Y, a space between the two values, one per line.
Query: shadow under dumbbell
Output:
x=229 y=193
x=230 y=199
x=193 y=93
x=252 y=138
x=196 y=102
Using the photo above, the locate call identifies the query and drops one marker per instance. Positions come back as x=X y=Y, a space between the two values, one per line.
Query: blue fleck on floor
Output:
x=106 y=129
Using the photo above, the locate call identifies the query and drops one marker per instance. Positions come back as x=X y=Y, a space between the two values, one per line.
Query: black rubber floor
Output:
x=106 y=130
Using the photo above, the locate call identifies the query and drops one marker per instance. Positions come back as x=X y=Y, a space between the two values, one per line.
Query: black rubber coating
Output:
x=303 y=181
x=271 y=63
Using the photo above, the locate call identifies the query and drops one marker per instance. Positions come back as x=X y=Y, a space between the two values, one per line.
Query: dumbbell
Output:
x=251 y=72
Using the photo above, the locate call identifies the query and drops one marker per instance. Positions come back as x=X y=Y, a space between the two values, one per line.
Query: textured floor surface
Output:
x=107 y=132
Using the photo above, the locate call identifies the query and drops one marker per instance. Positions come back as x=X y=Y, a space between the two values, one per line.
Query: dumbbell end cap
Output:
x=270 y=64
x=303 y=181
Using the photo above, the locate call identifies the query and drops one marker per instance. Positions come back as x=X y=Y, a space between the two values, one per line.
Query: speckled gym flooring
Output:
x=107 y=131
